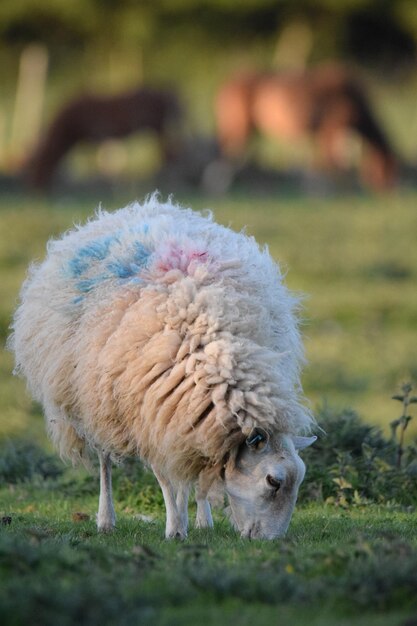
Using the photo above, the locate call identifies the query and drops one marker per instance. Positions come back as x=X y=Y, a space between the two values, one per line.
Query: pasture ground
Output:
x=356 y=260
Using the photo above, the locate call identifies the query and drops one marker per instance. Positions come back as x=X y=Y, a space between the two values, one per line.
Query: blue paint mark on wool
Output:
x=89 y=283
x=127 y=268
x=122 y=269
x=141 y=253
x=78 y=266
x=96 y=250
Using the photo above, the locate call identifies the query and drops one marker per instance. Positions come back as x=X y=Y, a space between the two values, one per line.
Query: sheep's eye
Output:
x=256 y=439
x=273 y=482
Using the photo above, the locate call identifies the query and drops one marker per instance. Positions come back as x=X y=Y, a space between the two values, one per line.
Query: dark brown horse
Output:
x=326 y=103
x=91 y=118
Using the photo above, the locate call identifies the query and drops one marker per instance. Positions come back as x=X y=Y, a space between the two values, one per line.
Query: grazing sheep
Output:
x=154 y=331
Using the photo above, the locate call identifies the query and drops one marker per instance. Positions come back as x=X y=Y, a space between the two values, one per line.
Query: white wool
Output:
x=167 y=315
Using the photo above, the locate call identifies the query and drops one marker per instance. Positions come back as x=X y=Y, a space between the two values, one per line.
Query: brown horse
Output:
x=91 y=118
x=326 y=103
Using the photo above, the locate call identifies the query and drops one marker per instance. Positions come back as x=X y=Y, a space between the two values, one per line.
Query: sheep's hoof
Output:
x=203 y=523
x=177 y=534
x=106 y=528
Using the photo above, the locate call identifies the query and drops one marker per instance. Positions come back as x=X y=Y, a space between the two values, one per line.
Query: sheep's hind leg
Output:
x=175 y=504
x=106 y=517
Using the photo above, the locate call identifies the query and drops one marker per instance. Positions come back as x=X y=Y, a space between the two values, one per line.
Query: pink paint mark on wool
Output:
x=183 y=258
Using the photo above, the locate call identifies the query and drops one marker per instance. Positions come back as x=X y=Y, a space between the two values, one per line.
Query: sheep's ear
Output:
x=303 y=442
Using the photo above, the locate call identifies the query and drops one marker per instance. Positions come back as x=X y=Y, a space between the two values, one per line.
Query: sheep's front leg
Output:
x=203 y=518
x=175 y=504
x=182 y=506
x=106 y=517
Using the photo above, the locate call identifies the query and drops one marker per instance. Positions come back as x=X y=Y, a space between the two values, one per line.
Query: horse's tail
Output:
x=380 y=164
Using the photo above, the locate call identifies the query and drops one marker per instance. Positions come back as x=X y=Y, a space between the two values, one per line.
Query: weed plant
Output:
x=21 y=460
x=353 y=463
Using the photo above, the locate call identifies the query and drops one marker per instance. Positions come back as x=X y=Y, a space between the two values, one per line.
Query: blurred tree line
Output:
x=379 y=33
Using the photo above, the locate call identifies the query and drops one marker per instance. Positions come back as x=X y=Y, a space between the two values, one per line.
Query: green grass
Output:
x=355 y=258
x=335 y=566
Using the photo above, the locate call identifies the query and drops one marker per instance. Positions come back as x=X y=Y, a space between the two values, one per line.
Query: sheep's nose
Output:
x=273 y=482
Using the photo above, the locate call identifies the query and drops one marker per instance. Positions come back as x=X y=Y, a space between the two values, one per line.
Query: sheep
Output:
x=153 y=331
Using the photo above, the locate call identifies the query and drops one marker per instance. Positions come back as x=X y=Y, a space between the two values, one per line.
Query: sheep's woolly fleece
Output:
x=155 y=331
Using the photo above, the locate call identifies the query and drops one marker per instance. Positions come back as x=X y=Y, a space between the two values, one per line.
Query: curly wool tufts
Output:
x=154 y=330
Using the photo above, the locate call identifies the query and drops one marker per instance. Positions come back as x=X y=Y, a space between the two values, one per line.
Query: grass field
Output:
x=355 y=259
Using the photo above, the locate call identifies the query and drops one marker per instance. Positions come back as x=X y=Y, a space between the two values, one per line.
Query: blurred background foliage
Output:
x=192 y=45
x=339 y=26
x=382 y=32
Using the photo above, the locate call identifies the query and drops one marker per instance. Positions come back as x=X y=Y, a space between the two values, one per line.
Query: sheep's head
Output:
x=262 y=480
